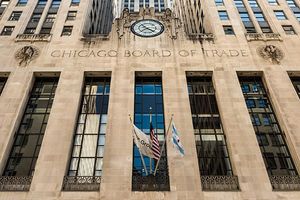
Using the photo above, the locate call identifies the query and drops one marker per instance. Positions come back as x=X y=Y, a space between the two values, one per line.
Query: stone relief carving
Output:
x=172 y=24
x=271 y=53
x=26 y=54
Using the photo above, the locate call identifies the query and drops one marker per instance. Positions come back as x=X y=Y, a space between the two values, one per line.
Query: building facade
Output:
x=74 y=79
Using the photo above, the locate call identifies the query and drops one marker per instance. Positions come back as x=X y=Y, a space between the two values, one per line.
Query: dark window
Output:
x=55 y=4
x=228 y=30
x=2 y=83
x=67 y=31
x=28 y=139
x=22 y=3
x=7 y=30
x=75 y=2
x=212 y=152
x=280 y=15
x=15 y=16
x=149 y=94
x=45 y=31
x=273 y=147
x=42 y=3
x=288 y=29
x=71 y=15
x=4 y=3
x=223 y=15
x=29 y=31
x=296 y=83
x=35 y=17
x=50 y=18
x=273 y=2
x=89 y=138
x=219 y=2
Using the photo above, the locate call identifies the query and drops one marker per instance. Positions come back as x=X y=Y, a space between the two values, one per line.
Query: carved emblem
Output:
x=26 y=54
x=271 y=53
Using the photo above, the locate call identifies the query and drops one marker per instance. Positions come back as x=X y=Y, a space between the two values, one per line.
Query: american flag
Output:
x=155 y=143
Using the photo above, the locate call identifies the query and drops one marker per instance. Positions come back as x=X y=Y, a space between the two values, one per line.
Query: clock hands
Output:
x=145 y=27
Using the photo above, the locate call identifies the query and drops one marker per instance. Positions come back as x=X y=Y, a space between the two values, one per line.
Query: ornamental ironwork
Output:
x=26 y=54
x=159 y=182
x=15 y=183
x=271 y=53
x=284 y=183
x=81 y=183
x=263 y=37
x=220 y=183
x=33 y=38
x=201 y=36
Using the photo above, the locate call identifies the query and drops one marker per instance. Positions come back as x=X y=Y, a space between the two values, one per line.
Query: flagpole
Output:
x=151 y=140
x=164 y=144
x=139 y=150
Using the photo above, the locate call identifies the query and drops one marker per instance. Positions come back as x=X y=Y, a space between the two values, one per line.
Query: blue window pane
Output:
x=138 y=108
x=159 y=108
x=266 y=120
x=148 y=89
x=159 y=99
x=158 y=89
x=148 y=102
x=255 y=120
x=160 y=118
x=255 y=88
x=100 y=89
x=107 y=89
x=138 y=89
x=138 y=118
x=138 y=98
x=250 y=103
x=245 y=88
x=262 y=103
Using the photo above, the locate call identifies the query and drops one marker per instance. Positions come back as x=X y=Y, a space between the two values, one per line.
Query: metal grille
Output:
x=89 y=140
x=148 y=93
x=270 y=137
x=15 y=183
x=210 y=139
x=81 y=183
x=296 y=83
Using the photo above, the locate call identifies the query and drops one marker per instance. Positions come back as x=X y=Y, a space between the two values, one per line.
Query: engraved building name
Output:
x=153 y=53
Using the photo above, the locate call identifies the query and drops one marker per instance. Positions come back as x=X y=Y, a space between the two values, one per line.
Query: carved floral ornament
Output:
x=26 y=54
x=271 y=53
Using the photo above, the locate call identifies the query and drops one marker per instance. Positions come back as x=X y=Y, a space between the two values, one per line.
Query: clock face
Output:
x=147 y=28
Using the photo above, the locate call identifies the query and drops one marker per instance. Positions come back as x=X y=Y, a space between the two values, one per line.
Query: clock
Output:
x=147 y=28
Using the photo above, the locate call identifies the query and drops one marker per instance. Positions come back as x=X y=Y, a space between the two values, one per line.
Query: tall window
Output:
x=269 y=135
x=2 y=83
x=149 y=94
x=296 y=83
x=85 y=166
x=29 y=137
x=213 y=156
x=247 y=22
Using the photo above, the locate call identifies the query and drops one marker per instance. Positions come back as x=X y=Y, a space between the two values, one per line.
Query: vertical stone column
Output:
x=12 y=103
x=286 y=105
x=245 y=155
x=183 y=171
x=55 y=150
x=117 y=163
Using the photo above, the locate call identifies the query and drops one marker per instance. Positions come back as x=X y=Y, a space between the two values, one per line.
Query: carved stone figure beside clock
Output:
x=147 y=28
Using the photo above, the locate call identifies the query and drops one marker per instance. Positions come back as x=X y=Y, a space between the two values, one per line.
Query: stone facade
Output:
x=121 y=54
